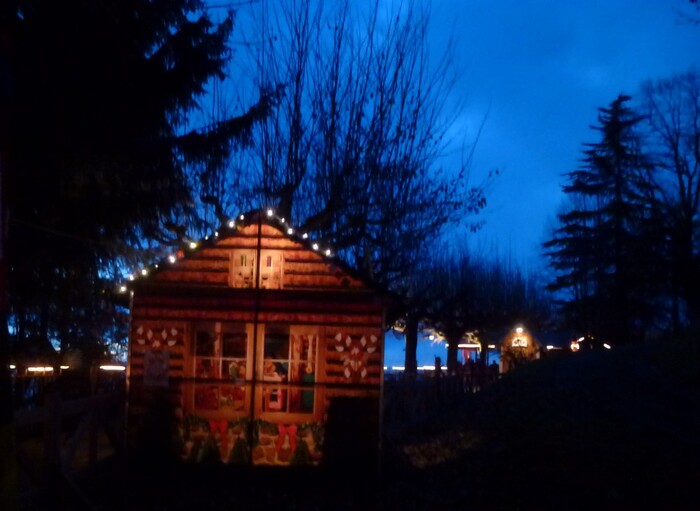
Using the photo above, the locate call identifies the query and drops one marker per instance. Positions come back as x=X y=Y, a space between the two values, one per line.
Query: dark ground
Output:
x=597 y=430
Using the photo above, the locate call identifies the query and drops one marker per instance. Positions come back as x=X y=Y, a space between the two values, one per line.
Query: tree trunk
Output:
x=411 y=334
x=452 y=363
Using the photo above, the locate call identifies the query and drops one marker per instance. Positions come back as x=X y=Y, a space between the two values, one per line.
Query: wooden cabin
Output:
x=518 y=346
x=252 y=335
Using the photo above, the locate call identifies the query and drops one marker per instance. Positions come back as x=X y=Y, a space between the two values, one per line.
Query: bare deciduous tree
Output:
x=355 y=150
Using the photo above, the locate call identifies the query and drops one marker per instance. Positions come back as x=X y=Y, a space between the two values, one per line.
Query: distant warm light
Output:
x=65 y=367
x=606 y=346
x=113 y=368
x=469 y=345
x=12 y=366
x=492 y=346
x=575 y=346
x=550 y=346
x=580 y=339
x=328 y=251
x=193 y=244
x=172 y=258
x=131 y=277
x=122 y=289
x=270 y=212
x=39 y=369
x=144 y=272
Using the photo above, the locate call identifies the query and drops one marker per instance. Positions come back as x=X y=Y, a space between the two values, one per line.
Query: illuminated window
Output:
x=221 y=366
x=243 y=269
x=289 y=369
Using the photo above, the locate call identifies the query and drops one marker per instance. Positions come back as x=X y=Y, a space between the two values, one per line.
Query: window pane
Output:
x=301 y=400
x=206 y=397
x=274 y=399
x=205 y=343
x=275 y=371
x=234 y=369
x=232 y=398
x=277 y=342
x=208 y=368
x=234 y=344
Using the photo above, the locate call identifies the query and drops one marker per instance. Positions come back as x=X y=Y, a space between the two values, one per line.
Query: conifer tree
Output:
x=600 y=250
x=101 y=99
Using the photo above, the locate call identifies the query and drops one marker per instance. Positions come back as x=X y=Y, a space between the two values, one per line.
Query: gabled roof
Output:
x=239 y=229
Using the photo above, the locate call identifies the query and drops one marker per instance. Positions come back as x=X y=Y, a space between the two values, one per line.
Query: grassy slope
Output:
x=592 y=430
x=604 y=430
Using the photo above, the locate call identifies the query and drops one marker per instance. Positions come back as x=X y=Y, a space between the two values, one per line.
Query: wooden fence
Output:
x=57 y=439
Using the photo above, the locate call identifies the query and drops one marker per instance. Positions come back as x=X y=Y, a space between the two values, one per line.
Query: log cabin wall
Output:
x=251 y=364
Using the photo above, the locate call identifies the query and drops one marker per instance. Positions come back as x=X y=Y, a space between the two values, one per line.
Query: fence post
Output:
x=52 y=443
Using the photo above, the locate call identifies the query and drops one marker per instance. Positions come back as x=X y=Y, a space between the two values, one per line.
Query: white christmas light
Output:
x=216 y=234
x=144 y=272
x=242 y=217
x=131 y=277
x=122 y=289
x=328 y=251
x=315 y=246
x=193 y=244
x=305 y=235
x=270 y=212
x=232 y=224
x=172 y=258
x=290 y=231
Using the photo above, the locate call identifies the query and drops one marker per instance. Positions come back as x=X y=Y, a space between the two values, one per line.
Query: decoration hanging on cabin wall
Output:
x=355 y=354
x=158 y=338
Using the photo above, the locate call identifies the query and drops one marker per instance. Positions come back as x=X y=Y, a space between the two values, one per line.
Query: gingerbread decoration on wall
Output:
x=355 y=354
x=158 y=338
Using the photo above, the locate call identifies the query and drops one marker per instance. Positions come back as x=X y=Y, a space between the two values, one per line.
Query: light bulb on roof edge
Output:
x=282 y=219
x=193 y=244
x=232 y=224
x=122 y=289
x=305 y=235
x=131 y=277
x=216 y=234
x=242 y=217
x=315 y=246
x=290 y=231
x=270 y=212
x=144 y=272
x=328 y=251
x=172 y=258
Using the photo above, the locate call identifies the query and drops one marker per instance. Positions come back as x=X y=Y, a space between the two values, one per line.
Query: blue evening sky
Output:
x=537 y=71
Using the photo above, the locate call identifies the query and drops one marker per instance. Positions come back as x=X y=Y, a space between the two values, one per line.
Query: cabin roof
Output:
x=232 y=229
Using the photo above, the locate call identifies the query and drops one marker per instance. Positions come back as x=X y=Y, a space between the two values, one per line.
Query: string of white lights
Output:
x=230 y=226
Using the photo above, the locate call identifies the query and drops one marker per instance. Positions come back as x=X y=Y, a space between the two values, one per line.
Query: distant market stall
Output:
x=256 y=335
x=518 y=346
